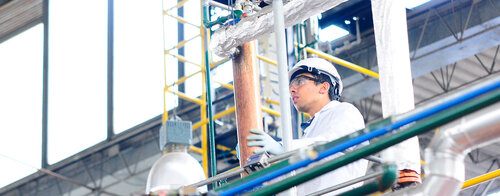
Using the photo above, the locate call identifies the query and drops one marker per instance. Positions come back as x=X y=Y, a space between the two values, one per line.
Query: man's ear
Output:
x=325 y=86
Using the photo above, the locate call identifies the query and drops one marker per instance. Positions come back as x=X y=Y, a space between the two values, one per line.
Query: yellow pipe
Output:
x=225 y=148
x=180 y=4
x=215 y=64
x=271 y=111
x=183 y=59
x=216 y=116
x=180 y=19
x=183 y=79
x=265 y=59
x=234 y=168
x=272 y=101
x=182 y=43
x=225 y=112
x=342 y=62
x=481 y=178
x=184 y=96
x=228 y=86
x=196 y=149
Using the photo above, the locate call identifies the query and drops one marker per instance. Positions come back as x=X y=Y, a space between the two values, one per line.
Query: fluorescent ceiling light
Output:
x=331 y=33
x=410 y=4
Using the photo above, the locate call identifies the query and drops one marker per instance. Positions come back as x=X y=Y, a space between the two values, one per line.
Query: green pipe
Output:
x=318 y=148
x=384 y=142
x=385 y=182
x=211 y=131
x=222 y=19
x=254 y=175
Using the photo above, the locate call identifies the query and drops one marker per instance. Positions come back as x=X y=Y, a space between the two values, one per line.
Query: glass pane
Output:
x=139 y=74
x=21 y=60
x=77 y=76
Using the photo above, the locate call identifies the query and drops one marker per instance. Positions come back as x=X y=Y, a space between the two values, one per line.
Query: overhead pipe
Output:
x=445 y=170
x=348 y=45
x=492 y=97
x=247 y=97
x=225 y=40
x=216 y=4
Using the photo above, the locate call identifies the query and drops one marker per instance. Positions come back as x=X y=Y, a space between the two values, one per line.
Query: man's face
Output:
x=304 y=92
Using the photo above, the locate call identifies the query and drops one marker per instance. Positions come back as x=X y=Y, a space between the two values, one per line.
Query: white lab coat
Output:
x=334 y=120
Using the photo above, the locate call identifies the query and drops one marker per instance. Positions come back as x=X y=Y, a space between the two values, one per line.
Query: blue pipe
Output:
x=360 y=139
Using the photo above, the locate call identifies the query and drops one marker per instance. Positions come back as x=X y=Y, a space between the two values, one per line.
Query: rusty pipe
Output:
x=247 y=96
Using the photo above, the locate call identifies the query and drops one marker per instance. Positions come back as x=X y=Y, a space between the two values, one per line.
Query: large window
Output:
x=77 y=76
x=138 y=62
x=21 y=60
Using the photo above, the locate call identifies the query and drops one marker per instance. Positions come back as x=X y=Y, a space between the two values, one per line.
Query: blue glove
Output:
x=265 y=141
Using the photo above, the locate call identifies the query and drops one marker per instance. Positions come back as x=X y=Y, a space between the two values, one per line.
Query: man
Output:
x=315 y=88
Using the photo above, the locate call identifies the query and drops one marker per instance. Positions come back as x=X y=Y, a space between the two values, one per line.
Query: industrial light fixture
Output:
x=331 y=33
x=410 y=4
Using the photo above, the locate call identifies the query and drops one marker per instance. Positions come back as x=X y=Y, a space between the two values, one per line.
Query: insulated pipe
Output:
x=225 y=40
x=279 y=31
x=246 y=97
x=445 y=170
x=393 y=57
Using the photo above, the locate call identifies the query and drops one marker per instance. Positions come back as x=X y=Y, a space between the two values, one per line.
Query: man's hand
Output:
x=265 y=141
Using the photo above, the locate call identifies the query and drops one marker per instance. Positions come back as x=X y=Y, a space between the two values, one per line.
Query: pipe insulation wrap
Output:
x=445 y=171
x=225 y=40
x=393 y=57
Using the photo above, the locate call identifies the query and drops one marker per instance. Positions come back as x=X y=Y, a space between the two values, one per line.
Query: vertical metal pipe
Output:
x=291 y=61
x=279 y=30
x=286 y=117
x=180 y=64
x=247 y=96
x=393 y=55
x=45 y=100
x=111 y=55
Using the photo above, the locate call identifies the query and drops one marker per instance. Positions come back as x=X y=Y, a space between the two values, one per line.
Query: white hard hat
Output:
x=318 y=66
